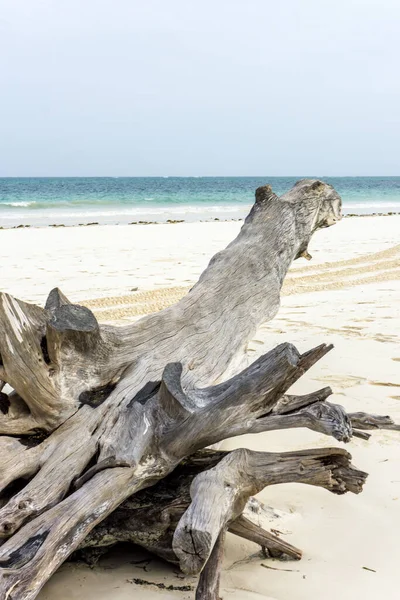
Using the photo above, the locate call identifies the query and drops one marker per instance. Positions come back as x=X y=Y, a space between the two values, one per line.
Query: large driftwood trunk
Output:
x=98 y=414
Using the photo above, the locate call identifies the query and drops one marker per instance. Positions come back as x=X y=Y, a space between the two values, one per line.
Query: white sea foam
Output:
x=17 y=204
x=13 y=213
x=132 y=211
x=381 y=205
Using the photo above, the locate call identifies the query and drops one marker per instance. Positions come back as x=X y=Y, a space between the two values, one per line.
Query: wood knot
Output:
x=7 y=527
x=317 y=185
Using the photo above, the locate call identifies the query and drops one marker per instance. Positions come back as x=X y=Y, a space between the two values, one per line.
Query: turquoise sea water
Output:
x=74 y=200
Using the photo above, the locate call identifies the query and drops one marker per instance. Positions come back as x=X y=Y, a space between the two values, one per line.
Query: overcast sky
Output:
x=199 y=87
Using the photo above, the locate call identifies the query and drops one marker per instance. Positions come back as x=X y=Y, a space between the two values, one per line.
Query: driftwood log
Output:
x=104 y=424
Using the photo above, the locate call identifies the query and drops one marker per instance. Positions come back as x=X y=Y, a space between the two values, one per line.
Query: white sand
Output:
x=322 y=303
x=100 y=261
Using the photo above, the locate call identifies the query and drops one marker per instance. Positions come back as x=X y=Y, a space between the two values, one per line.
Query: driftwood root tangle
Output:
x=94 y=415
x=150 y=517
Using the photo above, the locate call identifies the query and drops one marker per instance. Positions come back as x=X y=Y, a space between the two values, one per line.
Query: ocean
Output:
x=41 y=201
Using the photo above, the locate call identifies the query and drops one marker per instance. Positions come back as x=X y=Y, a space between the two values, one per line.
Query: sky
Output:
x=199 y=87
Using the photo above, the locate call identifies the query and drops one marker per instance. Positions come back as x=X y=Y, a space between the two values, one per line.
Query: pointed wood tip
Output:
x=71 y=317
x=308 y=359
x=56 y=299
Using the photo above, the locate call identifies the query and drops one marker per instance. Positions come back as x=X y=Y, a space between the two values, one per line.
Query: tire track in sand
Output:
x=372 y=268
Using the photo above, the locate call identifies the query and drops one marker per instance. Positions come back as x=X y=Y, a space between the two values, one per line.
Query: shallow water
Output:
x=112 y=200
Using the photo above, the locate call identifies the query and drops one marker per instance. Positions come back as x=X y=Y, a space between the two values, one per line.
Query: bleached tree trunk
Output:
x=99 y=413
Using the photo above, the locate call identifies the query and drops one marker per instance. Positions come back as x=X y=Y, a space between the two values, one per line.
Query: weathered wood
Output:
x=361 y=420
x=164 y=427
x=288 y=404
x=23 y=365
x=220 y=494
x=246 y=278
x=208 y=587
x=150 y=517
x=102 y=416
x=272 y=545
x=148 y=445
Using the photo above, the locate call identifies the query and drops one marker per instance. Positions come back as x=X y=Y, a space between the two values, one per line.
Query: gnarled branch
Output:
x=220 y=494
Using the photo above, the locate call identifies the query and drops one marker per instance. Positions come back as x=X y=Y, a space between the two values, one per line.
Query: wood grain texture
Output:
x=208 y=587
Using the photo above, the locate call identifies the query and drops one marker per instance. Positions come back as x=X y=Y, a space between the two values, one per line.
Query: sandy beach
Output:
x=138 y=139
x=348 y=295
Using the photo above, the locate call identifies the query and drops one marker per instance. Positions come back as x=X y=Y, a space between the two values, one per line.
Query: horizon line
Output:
x=184 y=176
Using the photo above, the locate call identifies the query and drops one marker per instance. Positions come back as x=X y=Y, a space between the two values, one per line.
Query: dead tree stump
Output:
x=100 y=415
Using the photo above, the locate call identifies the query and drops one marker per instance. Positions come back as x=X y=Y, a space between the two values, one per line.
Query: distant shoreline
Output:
x=167 y=222
x=40 y=202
